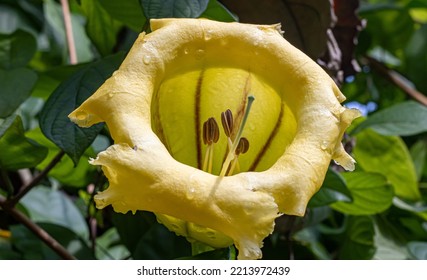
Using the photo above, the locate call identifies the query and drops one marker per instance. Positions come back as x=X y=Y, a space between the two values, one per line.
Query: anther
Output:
x=227 y=122
x=210 y=136
x=210 y=131
x=242 y=147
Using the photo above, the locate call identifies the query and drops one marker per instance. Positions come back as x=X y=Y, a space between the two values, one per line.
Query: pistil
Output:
x=232 y=151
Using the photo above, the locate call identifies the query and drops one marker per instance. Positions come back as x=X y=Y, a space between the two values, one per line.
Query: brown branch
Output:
x=397 y=79
x=26 y=188
x=69 y=31
x=41 y=233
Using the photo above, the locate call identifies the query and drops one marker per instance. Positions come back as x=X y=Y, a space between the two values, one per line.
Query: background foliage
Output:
x=376 y=50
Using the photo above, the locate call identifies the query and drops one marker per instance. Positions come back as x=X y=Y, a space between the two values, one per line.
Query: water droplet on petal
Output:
x=208 y=35
x=190 y=193
x=146 y=59
x=210 y=234
x=186 y=51
x=200 y=53
x=81 y=115
x=324 y=145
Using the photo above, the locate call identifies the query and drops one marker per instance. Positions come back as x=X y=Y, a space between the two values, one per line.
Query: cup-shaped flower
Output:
x=218 y=129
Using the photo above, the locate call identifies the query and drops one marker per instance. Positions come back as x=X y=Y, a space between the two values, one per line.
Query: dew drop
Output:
x=146 y=59
x=208 y=35
x=324 y=145
x=200 y=53
x=186 y=51
x=211 y=234
x=190 y=193
x=81 y=115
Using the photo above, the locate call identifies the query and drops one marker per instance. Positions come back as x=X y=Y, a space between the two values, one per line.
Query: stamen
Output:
x=228 y=125
x=232 y=153
x=210 y=131
x=227 y=122
x=210 y=136
x=242 y=148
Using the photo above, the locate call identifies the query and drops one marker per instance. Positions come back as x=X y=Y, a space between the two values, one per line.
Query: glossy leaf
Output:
x=147 y=239
x=419 y=156
x=228 y=253
x=216 y=11
x=358 y=240
x=389 y=156
x=173 y=8
x=52 y=206
x=32 y=248
x=101 y=27
x=307 y=35
x=15 y=87
x=131 y=227
x=17 y=151
x=416 y=58
x=406 y=118
x=16 y=49
x=389 y=25
x=108 y=246
x=371 y=194
x=65 y=171
x=127 y=11
x=418 y=250
x=70 y=94
x=158 y=243
x=333 y=189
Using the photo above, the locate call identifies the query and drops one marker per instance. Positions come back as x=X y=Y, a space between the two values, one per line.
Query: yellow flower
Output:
x=163 y=108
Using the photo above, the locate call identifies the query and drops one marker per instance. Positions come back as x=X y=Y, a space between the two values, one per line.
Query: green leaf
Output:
x=158 y=243
x=17 y=151
x=101 y=27
x=108 y=246
x=371 y=194
x=217 y=11
x=389 y=156
x=358 y=240
x=389 y=25
x=228 y=253
x=127 y=11
x=32 y=248
x=416 y=58
x=406 y=118
x=419 y=155
x=15 y=87
x=65 y=171
x=173 y=8
x=146 y=239
x=333 y=189
x=131 y=227
x=16 y=49
x=12 y=19
x=309 y=237
x=69 y=95
x=418 y=250
x=52 y=206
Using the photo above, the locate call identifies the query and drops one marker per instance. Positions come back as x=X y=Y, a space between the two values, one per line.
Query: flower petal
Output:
x=244 y=206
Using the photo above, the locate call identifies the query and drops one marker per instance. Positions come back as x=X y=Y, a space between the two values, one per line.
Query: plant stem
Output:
x=41 y=233
x=397 y=79
x=26 y=188
x=69 y=31
x=8 y=183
